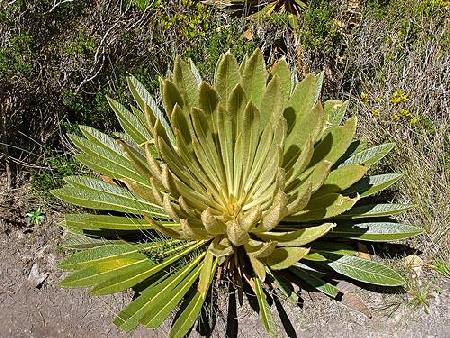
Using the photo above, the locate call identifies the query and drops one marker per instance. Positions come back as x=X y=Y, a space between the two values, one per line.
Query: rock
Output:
x=353 y=301
x=345 y=286
x=351 y=298
x=412 y=261
x=36 y=278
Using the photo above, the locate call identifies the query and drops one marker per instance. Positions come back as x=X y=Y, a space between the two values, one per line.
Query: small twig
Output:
x=24 y=164
x=100 y=52
x=57 y=4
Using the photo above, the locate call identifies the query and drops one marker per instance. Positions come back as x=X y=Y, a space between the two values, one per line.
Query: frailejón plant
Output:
x=249 y=179
x=260 y=7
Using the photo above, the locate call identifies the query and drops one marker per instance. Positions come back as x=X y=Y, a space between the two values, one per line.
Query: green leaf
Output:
x=313 y=278
x=128 y=318
x=127 y=278
x=300 y=114
x=130 y=267
x=281 y=69
x=335 y=111
x=251 y=139
x=259 y=249
x=205 y=274
x=375 y=231
x=320 y=250
x=205 y=150
x=218 y=248
x=171 y=97
x=264 y=309
x=186 y=319
x=102 y=154
x=169 y=297
x=130 y=123
x=226 y=141
x=101 y=139
x=101 y=222
x=376 y=210
x=284 y=288
x=342 y=178
x=227 y=76
x=262 y=150
x=195 y=72
x=95 y=194
x=335 y=143
x=131 y=264
x=108 y=252
x=370 y=156
x=272 y=102
x=258 y=267
x=282 y=258
x=324 y=207
x=366 y=271
x=76 y=240
x=186 y=82
x=138 y=157
x=146 y=102
x=373 y=184
x=187 y=316
x=208 y=98
x=316 y=175
x=107 y=168
x=296 y=237
x=180 y=123
x=156 y=316
x=254 y=77
x=156 y=296
x=246 y=146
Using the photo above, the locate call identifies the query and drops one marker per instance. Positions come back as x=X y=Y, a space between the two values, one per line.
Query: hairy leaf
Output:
x=366 y=271
x=375 y=231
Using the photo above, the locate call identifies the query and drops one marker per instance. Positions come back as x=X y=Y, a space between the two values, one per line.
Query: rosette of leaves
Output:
x=249 y=179
x=263 y=7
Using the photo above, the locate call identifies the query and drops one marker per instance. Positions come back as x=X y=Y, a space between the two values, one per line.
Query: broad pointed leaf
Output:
x=314 y=279
x=282 y=258
x=376 y=210
x=366 y=271
x=296 y=237
x=373 y=184
x=370 y=156
x=95 y=194
x=130 y=123
x=254 y=77
x=375 y=231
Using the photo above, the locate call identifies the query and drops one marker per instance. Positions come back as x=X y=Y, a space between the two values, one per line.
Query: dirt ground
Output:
x=32 y=304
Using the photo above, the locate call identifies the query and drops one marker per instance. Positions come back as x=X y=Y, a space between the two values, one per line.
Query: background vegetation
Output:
x=59 y=58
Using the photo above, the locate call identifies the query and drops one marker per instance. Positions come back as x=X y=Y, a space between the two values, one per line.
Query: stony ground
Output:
x=32 y=304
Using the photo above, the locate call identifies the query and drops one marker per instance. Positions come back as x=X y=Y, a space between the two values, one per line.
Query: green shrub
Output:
x=84 y=44
x=58 y=167
x=16 y=57
x=318 y=29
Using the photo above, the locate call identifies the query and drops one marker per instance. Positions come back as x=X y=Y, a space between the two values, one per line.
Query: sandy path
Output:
x=49 y=311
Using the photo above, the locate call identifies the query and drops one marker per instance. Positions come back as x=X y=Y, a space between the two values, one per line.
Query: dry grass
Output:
x=406 y=101
x=399 y=75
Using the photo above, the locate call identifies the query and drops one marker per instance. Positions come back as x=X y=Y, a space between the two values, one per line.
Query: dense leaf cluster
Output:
x=250 y=176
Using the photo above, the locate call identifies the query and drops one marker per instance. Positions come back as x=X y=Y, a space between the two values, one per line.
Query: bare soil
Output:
x=32 y=304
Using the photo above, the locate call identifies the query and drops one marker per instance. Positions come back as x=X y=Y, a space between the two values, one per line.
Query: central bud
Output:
x=232 y=208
